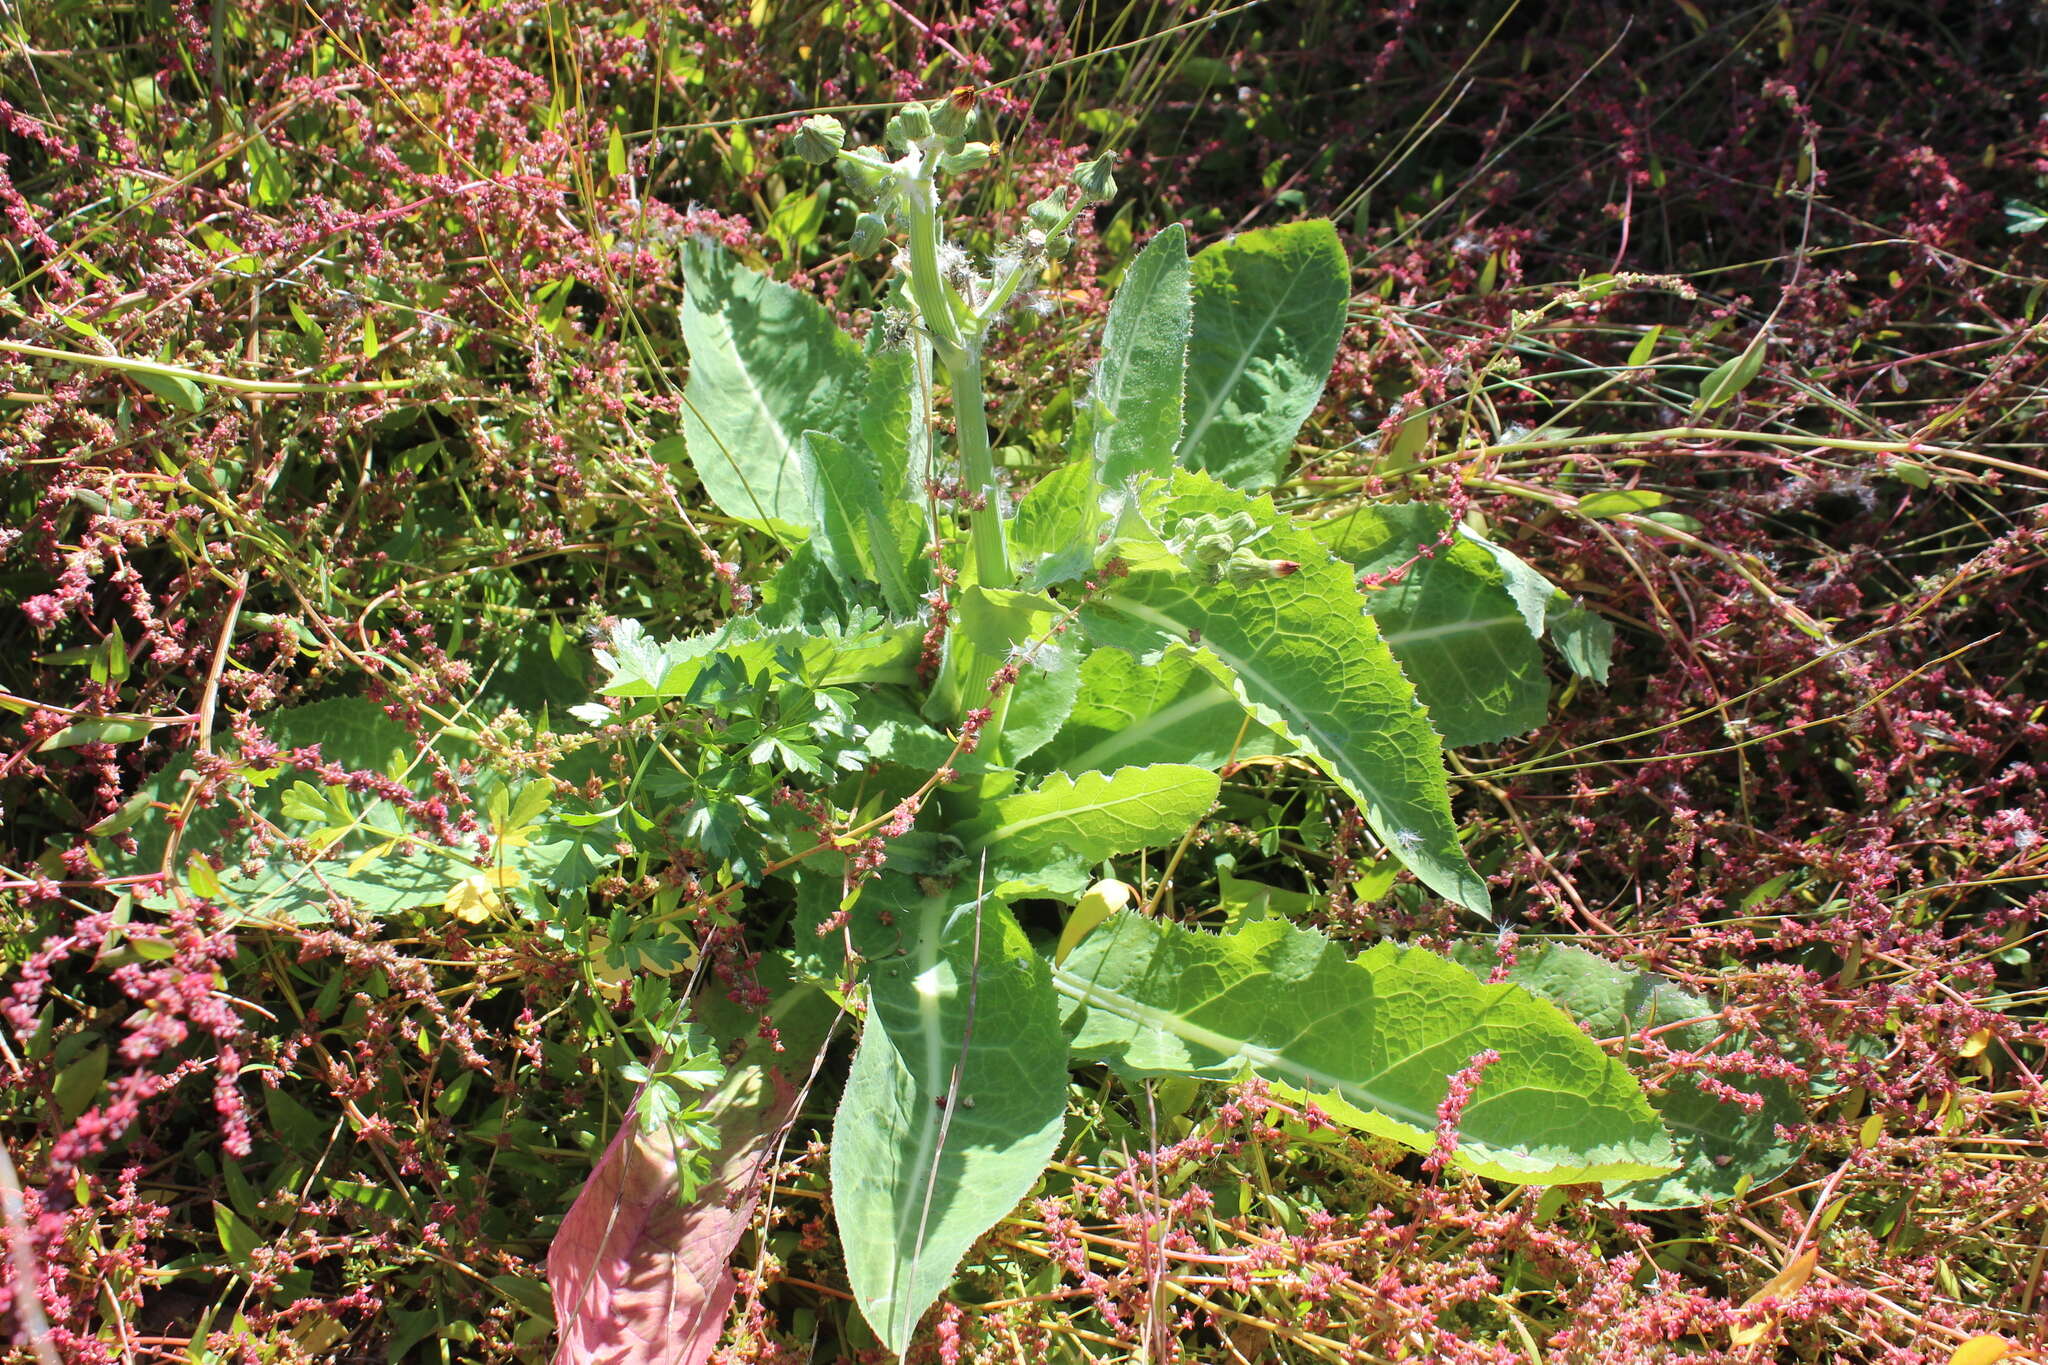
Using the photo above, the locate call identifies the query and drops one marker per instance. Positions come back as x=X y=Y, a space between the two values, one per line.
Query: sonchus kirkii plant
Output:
x=952 y=703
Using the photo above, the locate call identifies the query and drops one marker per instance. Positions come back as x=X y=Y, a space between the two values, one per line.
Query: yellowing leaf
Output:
x=1975 y=1043
x=1984 y=1350
x=1777 y=1289
x=475 y=899
x=369 y=856
x=1103 y=900
x=604 y=967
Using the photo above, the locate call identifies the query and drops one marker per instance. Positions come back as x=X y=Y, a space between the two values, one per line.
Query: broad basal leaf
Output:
x=1373 y=1040
x=640 y=1277
x=1721 y=1145
x=893 y=422
x=1464 y=619
x=1166 y=711
x=1300 y=651
x=866 y=535
x=952 y=1109
x=1452 y=619
x=1050 y=832
x=805 y=594
x=1131 y=419
x=766 y=365
x=1269 y=312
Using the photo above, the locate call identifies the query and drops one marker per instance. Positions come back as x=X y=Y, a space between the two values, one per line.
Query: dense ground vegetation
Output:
x=341 y=360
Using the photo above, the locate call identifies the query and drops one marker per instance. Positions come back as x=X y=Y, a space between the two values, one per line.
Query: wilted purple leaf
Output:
x=641 y=1278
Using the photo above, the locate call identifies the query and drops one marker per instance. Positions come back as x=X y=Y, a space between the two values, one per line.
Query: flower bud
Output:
x=819 y=139
x=971 y=157
x=1047 y=214
x=865 y=169
x=868 y=231
x=1059 y=246
x=1094 y=181
x=1243 y=569
x=953 y=115
x=911 y=124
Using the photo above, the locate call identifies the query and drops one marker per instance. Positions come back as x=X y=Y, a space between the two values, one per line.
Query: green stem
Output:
x=128 y=365
x=999 y=296
x=961 y=357
x=1003 y=290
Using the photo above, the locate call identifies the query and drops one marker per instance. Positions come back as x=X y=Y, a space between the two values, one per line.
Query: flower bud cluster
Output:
x=922 y=141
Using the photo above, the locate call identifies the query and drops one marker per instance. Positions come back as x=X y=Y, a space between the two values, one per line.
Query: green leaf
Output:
x=866 y=535
x=993 y=627
x=1534 y=596
x=1730 y=378
x=804 y=594
x=78 y=1085
x=99 y=730
x=766 y=365
x=270 y=179
x=1373 y=1040
x=1640 y=353
x=1721 y=1147
x=795 y=220
x=1464 y=621
x=358 y=735
x=1243 y=901
x=890 y=423
x=1619 y=502
x=1269 y=312
x=638 y=666
x=1066 y=820
x=2022 y=218
x=176 y=390
x=1302 y=655
x=1169 y=711
x=1463 y=627
x=1584 y=638
x=237 y=1239
x=1053 y=536
x=1041 y=699
x=356 y=860
x=897 y=734
x=954 y=1104
x=1132 y=419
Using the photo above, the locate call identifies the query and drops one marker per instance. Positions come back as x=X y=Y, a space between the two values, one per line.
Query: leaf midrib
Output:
x=1448 y=628
x=1013 y=828
x=1157 y=722
x=1213 y=407
x=1258 y=1055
